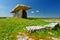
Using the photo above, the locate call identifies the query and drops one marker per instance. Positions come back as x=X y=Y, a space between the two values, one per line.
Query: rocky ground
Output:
x=23 y=36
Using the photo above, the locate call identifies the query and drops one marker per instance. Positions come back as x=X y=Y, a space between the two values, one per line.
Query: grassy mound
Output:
x=9 y=28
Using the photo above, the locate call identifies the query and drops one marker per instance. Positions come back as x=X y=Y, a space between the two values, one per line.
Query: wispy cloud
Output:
x=37 y=11
x=32 y=11
x=4 y=11
x=3 y=7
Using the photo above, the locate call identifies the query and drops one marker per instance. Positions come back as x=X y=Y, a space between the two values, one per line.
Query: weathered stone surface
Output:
x=52 y=25
x=30 y=29
x=54 y=38
x=19 y=37
x=22 y=37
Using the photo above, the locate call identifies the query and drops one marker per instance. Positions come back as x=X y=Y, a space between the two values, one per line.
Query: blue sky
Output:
x=40 y=8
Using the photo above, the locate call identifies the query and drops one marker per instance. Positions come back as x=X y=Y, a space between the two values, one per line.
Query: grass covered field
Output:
x=9 y=28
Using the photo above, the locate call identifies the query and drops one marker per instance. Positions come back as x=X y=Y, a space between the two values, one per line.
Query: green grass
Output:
x=11 y=27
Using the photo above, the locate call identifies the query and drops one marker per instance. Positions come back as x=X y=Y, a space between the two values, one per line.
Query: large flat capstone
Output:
x=33 y=28
x=52 y=25
x=30 y=29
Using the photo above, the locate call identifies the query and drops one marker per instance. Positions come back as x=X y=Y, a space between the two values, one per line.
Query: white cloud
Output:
x=32 y=11
x=37 y=10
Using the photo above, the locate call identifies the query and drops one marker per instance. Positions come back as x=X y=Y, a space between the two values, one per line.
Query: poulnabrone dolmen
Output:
x=20 y=11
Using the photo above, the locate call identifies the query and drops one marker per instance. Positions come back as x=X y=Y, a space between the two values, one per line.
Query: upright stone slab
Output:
x=20 y=11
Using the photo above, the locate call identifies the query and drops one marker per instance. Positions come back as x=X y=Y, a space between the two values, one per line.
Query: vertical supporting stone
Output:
x=24 y=14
